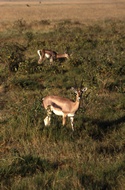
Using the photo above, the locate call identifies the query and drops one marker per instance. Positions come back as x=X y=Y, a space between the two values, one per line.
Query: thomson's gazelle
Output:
x=51 y=55
x=62 y=106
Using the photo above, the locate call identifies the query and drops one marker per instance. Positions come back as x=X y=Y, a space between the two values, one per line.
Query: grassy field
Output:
x=35 y=157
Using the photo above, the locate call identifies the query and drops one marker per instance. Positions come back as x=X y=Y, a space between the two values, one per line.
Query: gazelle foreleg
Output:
x=64 y=120
x=51 y=60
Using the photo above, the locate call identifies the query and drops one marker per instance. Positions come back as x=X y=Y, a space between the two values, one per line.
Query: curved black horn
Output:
x=76 y=86
x=81 y=84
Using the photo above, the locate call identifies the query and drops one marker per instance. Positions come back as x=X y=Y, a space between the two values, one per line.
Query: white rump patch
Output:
x=38 y=51
x=47 y=55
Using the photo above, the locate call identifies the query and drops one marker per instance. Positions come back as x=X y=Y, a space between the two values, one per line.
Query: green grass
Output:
x=37 y=157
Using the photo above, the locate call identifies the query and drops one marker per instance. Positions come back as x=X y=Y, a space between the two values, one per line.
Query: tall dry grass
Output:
x=82 y=11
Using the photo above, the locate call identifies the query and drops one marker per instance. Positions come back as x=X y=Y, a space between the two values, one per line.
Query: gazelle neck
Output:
x=77 y=98
x=76 y=103
x=62 y=56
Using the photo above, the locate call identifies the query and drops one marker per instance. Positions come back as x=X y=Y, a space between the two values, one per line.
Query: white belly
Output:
x=59 y=112
x=56 y=111
x=47 y=55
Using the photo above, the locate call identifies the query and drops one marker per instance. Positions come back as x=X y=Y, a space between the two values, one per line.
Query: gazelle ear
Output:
x=84 y=89
x=72 y=88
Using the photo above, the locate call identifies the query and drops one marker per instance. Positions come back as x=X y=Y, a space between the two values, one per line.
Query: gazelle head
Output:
x=67 y=55
x=79 y=92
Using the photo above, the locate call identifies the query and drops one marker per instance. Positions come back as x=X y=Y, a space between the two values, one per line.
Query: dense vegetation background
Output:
x=38 y=157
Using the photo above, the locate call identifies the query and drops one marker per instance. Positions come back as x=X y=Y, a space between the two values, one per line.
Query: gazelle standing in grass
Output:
x=51 y=55
x=62 y=106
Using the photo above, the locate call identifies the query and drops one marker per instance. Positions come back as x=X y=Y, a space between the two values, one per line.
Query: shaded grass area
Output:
x=37 y=157
x=29 y=166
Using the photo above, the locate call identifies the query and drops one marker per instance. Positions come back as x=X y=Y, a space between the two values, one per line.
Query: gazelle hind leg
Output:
x=47 y=119
x=72 y=119
x=51 y=60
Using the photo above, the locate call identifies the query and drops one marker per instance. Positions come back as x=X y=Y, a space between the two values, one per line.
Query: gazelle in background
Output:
x=62 y=106
x=51 y=55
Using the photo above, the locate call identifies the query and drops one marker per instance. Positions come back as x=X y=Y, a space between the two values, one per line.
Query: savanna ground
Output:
x=33 y=156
